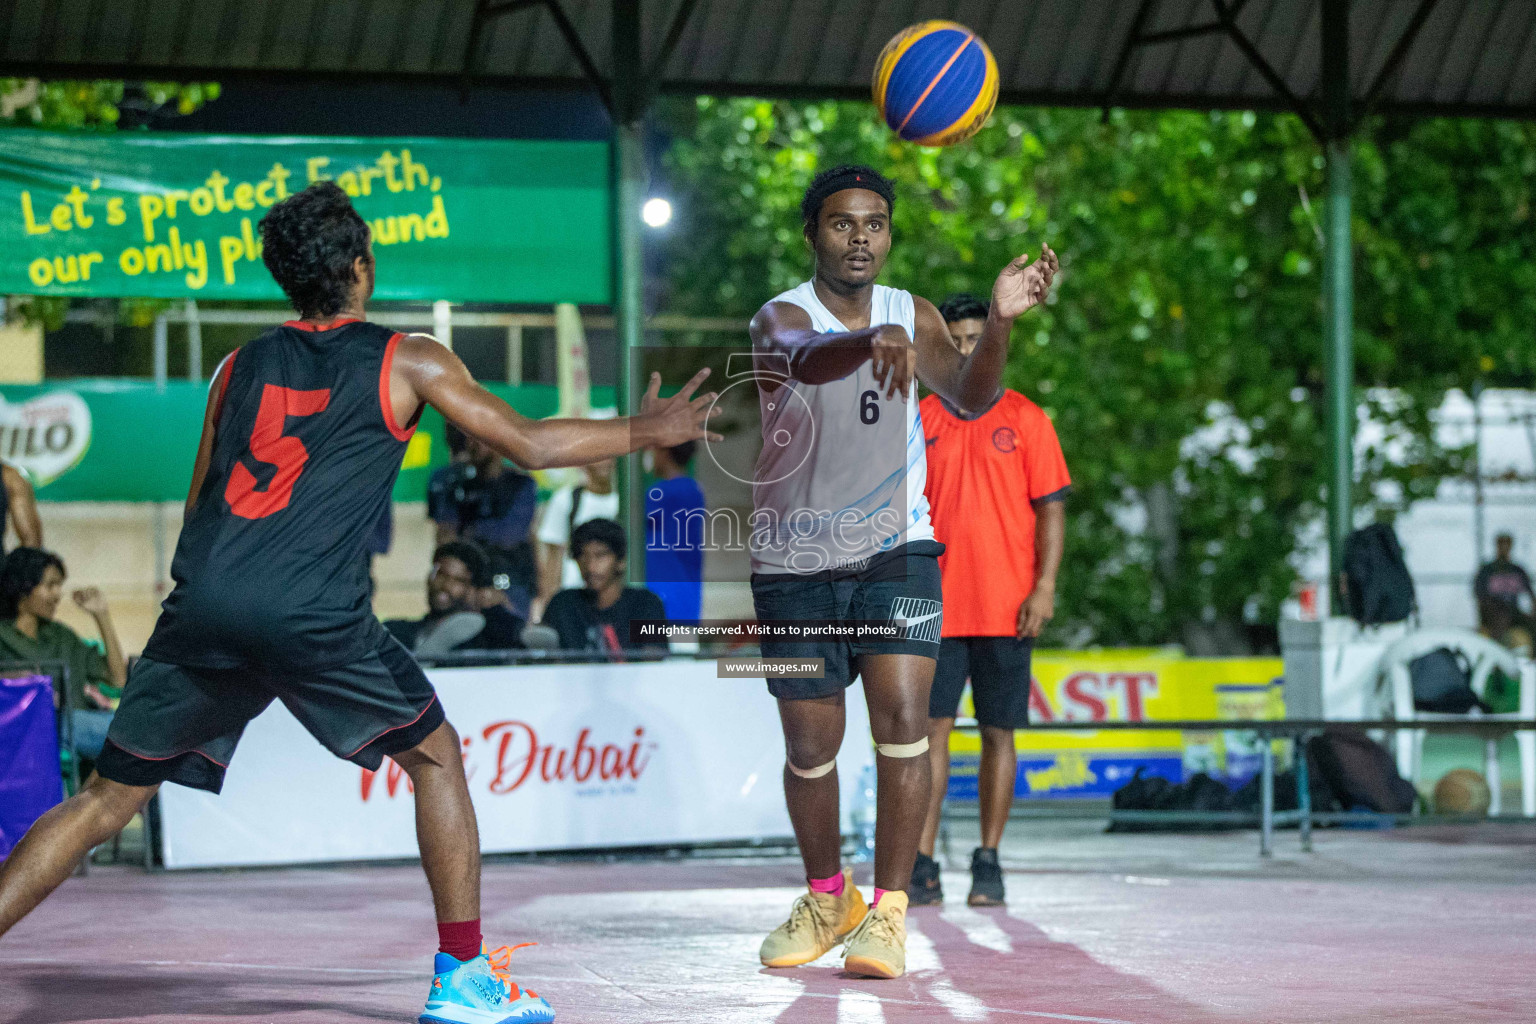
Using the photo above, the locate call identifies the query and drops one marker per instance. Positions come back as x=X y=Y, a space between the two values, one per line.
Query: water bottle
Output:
x=864 y=816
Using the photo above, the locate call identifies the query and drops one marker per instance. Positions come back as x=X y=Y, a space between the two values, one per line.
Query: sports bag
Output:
x=1442 y=683
x=1378 y=588
x=1361 y=772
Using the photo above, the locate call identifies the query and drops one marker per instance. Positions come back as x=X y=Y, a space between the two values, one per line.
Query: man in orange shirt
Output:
x=997 y=483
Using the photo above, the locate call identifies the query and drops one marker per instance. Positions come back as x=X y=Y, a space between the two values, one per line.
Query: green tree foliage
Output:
x=1180 y=355
x=94 y=106
x=29 y=103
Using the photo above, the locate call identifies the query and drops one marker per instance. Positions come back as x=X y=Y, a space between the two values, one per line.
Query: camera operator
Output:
x=480 y=497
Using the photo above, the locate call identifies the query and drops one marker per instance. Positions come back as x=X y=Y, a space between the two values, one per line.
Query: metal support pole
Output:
x=161 y=536
x=1338 y=285
x=1495 y=777
x=157 y=520
x=442 y=322
x=194 y=343
x=1267 y=798
x=515 y=354
x=162 y=353
x=1303 y=791
x=1339 y=356
x=628 y=175
x=1479 y=500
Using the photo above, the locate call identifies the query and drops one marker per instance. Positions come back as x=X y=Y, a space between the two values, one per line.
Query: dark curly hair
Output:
x=602 y=531
x=472 y=555
x=838 y=178
x=963 y=307
x=681 y=453
x=309 y=242
x=19 y=576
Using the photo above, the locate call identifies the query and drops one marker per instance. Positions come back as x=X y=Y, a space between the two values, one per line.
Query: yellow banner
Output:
x=1133 y=685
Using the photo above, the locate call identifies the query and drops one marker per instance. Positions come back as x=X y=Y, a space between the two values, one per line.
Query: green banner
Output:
x=85 y=440
x=174 y=216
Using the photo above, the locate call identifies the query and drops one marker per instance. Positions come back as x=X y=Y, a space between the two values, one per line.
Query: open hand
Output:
x=1038 y=609
x=1023 y=285
x=681 y=417
x=894 y=360
x=91 y=600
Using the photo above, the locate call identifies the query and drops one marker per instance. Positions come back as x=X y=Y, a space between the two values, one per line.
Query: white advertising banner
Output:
x=558 y=757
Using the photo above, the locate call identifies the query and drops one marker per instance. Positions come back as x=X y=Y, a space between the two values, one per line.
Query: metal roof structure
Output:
x=1454 y=57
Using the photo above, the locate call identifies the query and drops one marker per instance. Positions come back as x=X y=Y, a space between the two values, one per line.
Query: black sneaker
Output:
x=925 y=890
x=986 y=879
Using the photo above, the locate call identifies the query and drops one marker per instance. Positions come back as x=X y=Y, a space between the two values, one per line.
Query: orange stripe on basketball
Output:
x=936 y=79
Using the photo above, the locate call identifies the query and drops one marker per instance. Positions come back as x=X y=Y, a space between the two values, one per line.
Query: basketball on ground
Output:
x=936 y=83
x=1462 y=791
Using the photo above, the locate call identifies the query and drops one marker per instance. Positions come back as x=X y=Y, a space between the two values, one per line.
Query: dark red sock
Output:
x=459 y=939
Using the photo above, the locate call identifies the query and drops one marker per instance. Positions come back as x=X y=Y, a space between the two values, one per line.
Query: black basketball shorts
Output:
x=177 y=723
x=902 y=585
x=998 y=668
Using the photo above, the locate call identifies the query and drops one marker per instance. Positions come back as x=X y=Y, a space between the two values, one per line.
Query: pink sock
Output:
x=833 y=885
x=878 y=893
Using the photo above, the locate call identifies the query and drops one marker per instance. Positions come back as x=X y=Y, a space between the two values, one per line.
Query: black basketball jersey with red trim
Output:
x=270 y=568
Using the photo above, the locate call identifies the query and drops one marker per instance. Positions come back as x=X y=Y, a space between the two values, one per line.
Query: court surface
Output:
x=1425 y=924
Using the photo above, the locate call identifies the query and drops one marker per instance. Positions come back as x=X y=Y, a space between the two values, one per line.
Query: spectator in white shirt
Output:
x=568 y=508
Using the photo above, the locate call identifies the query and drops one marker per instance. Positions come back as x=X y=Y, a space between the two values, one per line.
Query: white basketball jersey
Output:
x=842 y=470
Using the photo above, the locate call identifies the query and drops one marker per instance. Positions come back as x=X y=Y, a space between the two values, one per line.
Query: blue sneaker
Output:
x=480 y=991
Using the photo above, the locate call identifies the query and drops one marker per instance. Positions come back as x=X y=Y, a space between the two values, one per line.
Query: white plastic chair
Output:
x=1484 y=655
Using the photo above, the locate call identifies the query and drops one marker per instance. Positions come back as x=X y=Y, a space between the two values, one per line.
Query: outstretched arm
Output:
x=783 y=329
x=426 y=372
x=971 y=382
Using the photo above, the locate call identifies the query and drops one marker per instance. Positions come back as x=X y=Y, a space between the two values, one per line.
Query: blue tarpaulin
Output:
x=30 y=781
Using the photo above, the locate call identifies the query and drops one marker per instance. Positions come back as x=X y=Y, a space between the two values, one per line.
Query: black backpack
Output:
x=1378 y=587
x=1442 y=683
x=1153 y=793
x=1361 y=772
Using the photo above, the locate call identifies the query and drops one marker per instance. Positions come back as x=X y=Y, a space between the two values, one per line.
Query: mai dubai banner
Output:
x=558 y=757
x=166 y=215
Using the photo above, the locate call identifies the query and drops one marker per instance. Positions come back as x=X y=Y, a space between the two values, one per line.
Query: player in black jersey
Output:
x=302 y=440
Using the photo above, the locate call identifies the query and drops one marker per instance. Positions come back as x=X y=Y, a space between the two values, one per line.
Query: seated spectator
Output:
x=31 y=586
x=456 y=618
x=1499 y=587
x=480 y=497
x=597 y=617
x=567 y=509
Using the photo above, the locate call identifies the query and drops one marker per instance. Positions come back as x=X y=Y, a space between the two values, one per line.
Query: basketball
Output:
x=936 y=83
x=1462 y=791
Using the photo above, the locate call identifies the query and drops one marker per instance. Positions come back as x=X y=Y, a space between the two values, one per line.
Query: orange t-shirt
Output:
x=983 y=476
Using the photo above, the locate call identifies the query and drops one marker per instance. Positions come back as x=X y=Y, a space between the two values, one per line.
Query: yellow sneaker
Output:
x=817 y=922
x=878 y=946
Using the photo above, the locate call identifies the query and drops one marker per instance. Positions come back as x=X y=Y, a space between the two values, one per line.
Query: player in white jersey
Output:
x=841 y=533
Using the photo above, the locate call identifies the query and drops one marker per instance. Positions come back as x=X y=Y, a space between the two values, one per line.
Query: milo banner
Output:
x=1130 y=686
x=175 y=216
x=85 y=440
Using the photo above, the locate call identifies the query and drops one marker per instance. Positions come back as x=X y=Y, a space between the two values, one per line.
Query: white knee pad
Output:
x=812 y=773
x=903 y=749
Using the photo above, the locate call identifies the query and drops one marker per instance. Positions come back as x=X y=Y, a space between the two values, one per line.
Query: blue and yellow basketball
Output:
x=936 y=83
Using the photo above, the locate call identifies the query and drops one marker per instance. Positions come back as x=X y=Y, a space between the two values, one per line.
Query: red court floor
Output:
x=1416 y=925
